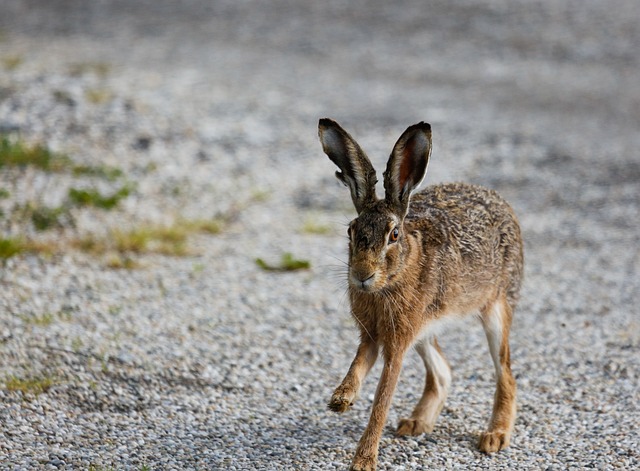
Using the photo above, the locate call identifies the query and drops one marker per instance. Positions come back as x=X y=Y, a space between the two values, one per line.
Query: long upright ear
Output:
x=407 y=166
x=356 y=171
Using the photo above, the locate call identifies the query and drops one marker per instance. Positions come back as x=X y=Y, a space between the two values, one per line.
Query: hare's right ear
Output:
x=356 y=170
x=407 y=166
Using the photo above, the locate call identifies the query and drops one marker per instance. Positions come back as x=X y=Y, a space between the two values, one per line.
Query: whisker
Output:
x=365 y=329
x=337 y=268
x=340 y=277
x=343 y=262
x=388 y=309
x=343 y=298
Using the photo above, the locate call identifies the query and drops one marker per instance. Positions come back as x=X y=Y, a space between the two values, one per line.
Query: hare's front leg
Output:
x=436 y=388
x=496 y=320
x=345 y=394
x=367 y=452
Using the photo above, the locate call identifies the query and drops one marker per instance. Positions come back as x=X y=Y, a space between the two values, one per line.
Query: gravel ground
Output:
x=205 y=361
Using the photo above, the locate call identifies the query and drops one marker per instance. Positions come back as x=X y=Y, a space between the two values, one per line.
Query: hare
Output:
x=415 y=263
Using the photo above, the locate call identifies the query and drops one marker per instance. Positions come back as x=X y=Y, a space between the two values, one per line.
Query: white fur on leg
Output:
x=437 y=365
x=493 y=325
x=435 y=362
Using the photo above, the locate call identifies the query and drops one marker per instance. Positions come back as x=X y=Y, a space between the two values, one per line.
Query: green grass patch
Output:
x=119 y=246
x=10 y=247
x=44 y=217
x=63 y=97
x=101 y=69
x=312 y=227
x=260 y=196
x=12 y=62
x=118 y=261
x=287 y=263
x=47 y=318
x=31 y=385
x=208 y=226
x=42 y=320
x=98 y=96
x=92 y=197
x=17 y=154
x=146 y=239
x=152 y=239
x=77 y=344
x=96 y=467
x=101 y=171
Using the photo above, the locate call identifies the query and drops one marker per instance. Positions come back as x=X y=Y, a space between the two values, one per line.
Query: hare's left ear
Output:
x=407 y=166
x=356 y=170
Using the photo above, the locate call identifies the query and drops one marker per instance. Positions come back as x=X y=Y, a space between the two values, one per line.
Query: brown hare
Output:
x=415 y=263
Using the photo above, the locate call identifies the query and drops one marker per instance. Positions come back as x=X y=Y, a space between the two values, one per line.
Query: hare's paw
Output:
x=342 y=399
x=493 y=441
x=338 y=404
x=413 y=427
x=364 y=463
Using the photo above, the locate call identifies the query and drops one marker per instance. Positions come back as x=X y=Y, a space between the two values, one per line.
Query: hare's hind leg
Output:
x=496 y=320
x=436 y=388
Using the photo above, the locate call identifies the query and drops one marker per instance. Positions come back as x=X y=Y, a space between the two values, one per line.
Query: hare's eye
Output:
x=393 y=237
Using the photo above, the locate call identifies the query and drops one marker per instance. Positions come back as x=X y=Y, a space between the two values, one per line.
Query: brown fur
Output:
x=459 y=251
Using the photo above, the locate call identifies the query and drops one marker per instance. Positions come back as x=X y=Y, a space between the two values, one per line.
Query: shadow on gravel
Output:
x=96 y=384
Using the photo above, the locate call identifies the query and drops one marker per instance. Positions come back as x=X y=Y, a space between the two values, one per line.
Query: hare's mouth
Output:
x=363 y=282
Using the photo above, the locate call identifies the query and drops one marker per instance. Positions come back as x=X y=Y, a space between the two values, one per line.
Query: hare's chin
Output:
x=363 y=288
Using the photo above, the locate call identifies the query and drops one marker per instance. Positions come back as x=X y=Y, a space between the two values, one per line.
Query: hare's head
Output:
x=377 y=245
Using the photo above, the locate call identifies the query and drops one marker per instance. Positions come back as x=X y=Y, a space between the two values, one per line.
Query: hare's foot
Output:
x=364 y=463
x=413 y=427
x=494 y=440
x=342 y=398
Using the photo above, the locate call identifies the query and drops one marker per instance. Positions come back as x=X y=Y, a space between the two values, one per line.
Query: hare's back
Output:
x=473 y=232
x=475 y=219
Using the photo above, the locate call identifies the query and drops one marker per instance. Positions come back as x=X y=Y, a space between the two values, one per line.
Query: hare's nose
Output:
x=363 y=281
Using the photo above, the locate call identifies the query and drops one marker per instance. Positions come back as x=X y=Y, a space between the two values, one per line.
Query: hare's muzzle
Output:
x=363 y=281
